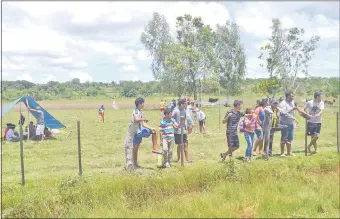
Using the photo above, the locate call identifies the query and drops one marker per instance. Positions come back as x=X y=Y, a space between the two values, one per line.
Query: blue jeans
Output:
x=250 y=141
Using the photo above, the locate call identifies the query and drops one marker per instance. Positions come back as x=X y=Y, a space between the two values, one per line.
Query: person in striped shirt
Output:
x=167 y=130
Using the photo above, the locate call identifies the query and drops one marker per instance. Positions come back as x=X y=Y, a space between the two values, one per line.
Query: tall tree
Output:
x=287 y=54
x=155 y=37
x=230 y=57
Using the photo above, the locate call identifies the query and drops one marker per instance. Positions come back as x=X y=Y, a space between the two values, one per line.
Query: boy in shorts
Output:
x=167 y=130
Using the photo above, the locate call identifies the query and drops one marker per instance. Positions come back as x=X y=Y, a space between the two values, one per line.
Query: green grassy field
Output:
x=301 y=186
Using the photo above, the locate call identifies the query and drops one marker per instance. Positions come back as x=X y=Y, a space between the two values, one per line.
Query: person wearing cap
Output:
x=101 y=112
x=287 y=119
x=40 y=122
x=232 y=119
x=315 y=109
x=179 y=112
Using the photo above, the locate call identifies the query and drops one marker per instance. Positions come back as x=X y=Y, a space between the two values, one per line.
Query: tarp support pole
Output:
x=21 y=152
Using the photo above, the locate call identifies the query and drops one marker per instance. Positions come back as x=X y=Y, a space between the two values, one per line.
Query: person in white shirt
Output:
x=201 y=120
x=315 y=109
x=11 y=134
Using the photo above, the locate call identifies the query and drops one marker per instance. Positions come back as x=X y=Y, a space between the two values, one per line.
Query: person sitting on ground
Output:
x=201 y=120
x=232 y=119
x=40 y=122
x=11 y=134
x=101 y=112
x=143 y=131
x=315 y=109
x=32 y=131
x=167 y=130
x=47 y=133
x=6 y=130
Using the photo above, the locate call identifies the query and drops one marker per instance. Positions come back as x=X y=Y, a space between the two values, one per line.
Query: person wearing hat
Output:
x=11 y=134
x=179 y=112
x=315 y=109
x=101 y=112
x=40 y=122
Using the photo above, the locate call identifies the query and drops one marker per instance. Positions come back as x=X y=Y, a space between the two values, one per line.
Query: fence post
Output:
x=21 y=152
x=79 y=150
x=182 y=140
x=337 y=131
x=306 y=137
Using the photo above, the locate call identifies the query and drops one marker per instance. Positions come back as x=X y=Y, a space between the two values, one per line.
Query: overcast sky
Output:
x=100 y=41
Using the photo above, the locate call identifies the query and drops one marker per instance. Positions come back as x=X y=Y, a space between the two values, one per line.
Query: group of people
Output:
x=280 y=117
x=266 y=119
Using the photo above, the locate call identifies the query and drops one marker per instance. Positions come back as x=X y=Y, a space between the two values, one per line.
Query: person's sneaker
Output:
x=167 y=165
x=314 y=152
x=290 y=155
x=282 y=155
x=254 y=154
x=156 y=151
x=222 y=155
x=130 y=167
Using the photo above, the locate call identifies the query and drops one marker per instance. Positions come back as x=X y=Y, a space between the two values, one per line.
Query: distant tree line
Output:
x=73 y=89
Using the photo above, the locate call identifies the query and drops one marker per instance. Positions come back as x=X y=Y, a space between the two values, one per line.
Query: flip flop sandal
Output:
x=157 y=152
x=188 y=161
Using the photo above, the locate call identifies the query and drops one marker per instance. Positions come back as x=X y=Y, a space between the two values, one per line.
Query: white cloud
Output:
x=26 y=77
x=56 y=38
x=135 y=79
x=82 y=76
x=48 y=77
x=4 y=74
x=129 y=68
x=126 y=60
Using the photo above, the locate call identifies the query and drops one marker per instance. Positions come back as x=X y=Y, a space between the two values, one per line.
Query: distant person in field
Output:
x=201 y=120
x=173 y=104
x=32 y=131
x=138 y=129
x=232 y=119
x=101 y=112
x=179 y=112
x=259 y=112
x=167 y=130
x=287 y=134
x=248 y=129
x=161 y=106
x=40 y=122
x=315 y=109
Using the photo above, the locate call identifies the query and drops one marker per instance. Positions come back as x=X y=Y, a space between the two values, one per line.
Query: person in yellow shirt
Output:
x=161 y=106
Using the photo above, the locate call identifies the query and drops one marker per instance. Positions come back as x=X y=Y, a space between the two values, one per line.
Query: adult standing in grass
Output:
x=201 y=120
x=179 y=112
x=287 y=134
x=40 y=122
x=259 y=112
x=232 y=119
x=138 y=129
x=315 y=109
x=189 y=120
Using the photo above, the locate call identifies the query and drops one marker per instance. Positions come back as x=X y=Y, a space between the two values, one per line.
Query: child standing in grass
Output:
x=249 y=126
x=167 y=130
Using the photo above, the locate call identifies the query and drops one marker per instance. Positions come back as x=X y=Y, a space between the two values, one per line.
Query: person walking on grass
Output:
x=259 y=112
x=232 y=119
x=315 y=109
x=287 y=134
x=138 y=129
x=101 y=112
x=201 y=120
x=248 y=128
x=40 y=122
x=178 y=113
x=167 y=130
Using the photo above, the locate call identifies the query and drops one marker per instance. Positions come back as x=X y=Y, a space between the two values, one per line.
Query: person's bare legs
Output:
x=289 y=148
x=201 y=128
x=257 y=144
x=135 y=154
x=154 y=141
x=260 y=146
x=178 y=153
x=186 y=151
x=283 y=147
x=314 y=138
x=190 y=129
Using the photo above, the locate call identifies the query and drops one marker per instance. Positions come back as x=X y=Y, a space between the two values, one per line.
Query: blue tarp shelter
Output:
x=50 y=121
